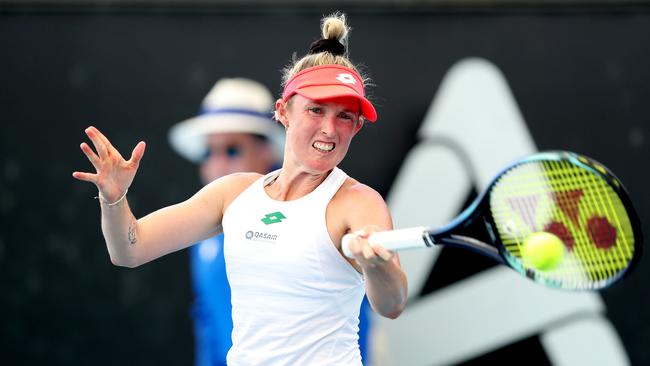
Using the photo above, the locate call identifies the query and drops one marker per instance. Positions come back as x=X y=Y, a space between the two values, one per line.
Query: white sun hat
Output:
x=233 y=105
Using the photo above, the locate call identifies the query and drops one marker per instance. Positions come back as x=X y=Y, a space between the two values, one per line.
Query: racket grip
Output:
x=410 y=238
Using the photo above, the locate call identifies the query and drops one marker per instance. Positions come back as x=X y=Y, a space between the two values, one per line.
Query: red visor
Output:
x=330 y=81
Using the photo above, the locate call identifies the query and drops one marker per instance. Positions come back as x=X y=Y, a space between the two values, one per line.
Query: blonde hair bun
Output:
x=335 y=27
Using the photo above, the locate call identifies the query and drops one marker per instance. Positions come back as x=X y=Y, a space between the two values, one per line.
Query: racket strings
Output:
x=576 y=205
x=604 y=234
x=594 y=261
x=601 y=224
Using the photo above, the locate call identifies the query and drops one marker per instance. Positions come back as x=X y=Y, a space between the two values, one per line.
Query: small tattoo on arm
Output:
x=132 y=233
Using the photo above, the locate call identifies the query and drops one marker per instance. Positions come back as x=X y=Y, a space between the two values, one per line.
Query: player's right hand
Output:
x=368 y=255
x=113 y=175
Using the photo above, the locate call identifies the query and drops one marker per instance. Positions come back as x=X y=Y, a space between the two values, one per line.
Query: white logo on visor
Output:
x=346 y=79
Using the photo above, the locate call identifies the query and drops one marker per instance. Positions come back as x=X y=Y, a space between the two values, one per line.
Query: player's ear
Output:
x=281 y=112
x=360 y=123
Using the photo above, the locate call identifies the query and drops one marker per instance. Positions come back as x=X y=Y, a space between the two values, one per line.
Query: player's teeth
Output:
x=324 y=146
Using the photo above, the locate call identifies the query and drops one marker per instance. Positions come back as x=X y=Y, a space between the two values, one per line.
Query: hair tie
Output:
x=332 y=46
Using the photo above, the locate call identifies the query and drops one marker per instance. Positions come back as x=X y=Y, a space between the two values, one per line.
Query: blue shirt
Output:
x=211 y=310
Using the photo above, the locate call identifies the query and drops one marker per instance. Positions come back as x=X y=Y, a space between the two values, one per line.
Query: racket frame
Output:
x=475 y=228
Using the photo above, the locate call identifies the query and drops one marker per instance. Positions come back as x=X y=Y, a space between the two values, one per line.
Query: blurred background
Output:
x=578 y=71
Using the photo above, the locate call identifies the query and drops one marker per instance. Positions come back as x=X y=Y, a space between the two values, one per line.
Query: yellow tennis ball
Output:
x=543 y=251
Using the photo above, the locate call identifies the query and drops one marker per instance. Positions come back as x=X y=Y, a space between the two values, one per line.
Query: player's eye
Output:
x=315 y=110
x=346 y=116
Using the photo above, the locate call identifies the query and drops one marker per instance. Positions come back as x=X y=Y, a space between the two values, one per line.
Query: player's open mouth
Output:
x=323 y=147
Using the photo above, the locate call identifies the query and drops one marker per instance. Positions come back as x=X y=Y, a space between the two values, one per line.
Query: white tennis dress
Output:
x=295 y=299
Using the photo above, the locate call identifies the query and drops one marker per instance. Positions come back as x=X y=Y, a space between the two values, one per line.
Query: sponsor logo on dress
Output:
x=273 y=218
x=261 y=236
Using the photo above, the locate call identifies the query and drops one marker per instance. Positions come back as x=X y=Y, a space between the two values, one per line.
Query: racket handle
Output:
x=410 y=238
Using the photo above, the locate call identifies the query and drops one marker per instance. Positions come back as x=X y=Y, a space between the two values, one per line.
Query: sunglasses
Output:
x=230 y=151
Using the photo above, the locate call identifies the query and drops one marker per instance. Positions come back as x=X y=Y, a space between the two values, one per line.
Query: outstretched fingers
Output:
x=90 y=154
x=87 y=177
x=109 y=147
x=103 y=144
x=137 y=153
x=113 y=174
x=93 y=135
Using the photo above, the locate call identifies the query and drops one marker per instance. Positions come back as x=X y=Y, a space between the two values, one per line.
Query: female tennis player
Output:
x=295 y=297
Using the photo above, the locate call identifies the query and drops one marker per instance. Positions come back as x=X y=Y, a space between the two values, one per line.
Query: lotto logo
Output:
x=273 y=218
x=346 y=79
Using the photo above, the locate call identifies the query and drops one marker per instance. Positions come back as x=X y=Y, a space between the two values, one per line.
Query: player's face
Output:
x=234 y=152
x=319 y=132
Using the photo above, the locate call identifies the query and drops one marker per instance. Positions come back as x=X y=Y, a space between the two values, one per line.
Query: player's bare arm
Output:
x=178 y=226
x=131 y=241
x=364 y=211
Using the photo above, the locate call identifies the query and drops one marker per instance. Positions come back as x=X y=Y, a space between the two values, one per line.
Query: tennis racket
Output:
x=568 y=195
